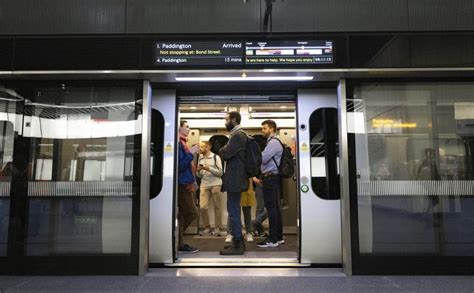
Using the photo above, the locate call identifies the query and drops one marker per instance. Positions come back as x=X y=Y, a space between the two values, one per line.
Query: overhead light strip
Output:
x=248 y=78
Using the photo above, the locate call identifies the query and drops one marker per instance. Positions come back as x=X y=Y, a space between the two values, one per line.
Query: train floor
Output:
x=209 y=247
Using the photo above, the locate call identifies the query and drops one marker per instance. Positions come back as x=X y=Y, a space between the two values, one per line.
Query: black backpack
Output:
x=253 y=157
x=287 y=165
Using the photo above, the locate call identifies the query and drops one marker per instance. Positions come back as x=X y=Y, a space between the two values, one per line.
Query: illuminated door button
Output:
x=305 y=188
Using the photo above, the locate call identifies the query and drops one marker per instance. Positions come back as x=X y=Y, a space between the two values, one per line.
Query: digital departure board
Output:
x=242 y=54
x=289 y=52
x=198 y=53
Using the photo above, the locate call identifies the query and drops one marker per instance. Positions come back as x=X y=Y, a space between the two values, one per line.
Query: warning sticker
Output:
x=304 y=147
x=168 y=147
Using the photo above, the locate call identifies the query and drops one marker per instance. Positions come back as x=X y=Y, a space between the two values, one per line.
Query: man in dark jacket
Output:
x=187 y=210
x=235 y=179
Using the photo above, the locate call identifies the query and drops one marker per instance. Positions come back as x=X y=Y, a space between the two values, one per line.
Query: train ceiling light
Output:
x=243 y=78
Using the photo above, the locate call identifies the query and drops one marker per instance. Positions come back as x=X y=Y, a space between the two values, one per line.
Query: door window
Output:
x=324 y=153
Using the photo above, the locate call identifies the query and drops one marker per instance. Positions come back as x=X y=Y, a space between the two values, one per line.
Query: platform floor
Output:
x=239 y=280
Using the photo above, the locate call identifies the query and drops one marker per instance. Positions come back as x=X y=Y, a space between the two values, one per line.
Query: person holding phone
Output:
x=210 y=171
x=187 y=210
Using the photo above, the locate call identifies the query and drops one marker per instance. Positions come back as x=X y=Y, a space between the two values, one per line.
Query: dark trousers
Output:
x=260 y=212
x=271 y=196
x=233 y=209
x=187 y=211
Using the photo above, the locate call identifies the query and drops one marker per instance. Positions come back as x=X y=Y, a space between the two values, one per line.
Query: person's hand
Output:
x=205 y=167
x=256 y=181
x=194 y=149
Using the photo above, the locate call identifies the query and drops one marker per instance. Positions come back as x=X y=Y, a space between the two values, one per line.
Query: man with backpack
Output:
x=210 y=171
x=235 y=179
x=271 y=182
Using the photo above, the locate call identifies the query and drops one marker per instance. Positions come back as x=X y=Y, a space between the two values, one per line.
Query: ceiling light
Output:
x=282 y=107
x=248 y=78
x=193 y=108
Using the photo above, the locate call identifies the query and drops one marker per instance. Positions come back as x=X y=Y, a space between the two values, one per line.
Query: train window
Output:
x=84 y=157
x=324 y=153
x=157 y=145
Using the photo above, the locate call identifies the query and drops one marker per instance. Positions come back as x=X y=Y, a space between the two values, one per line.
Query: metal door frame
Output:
x=344 y=179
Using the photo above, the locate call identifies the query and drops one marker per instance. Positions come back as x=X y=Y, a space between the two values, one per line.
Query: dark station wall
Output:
x=27 y=17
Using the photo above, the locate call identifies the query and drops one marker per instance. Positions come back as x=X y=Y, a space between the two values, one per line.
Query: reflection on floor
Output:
x=238 y=280
x=209 y=247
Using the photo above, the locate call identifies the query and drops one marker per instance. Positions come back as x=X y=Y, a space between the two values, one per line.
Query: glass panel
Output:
x=10 y=122
x=84 y=155
x=414 y=160
x=6 y=163
x=324 y=153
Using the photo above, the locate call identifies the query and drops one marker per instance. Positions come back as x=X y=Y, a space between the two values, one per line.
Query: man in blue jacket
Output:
x=187 y=210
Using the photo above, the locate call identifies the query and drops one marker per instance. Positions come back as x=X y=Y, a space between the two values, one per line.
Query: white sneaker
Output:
x=229 y=238
x=267 y=244
x=216 y=232
x=280 y=242
x=205 y=232
x=249 y=237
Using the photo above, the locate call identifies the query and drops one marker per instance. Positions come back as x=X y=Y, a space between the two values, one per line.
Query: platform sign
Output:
x=289 y=53
x=198 y=53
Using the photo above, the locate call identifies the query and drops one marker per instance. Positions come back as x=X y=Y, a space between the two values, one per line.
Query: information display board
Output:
x=289 y=52
x=198 y=53
x=242 y=54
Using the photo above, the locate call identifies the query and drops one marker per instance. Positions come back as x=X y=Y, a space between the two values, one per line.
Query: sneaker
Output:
x=205 y=232
x=267 y=243
x=188 y=248
x=237 y=248
x=282 y=241
x=260 y=234
x=249 y=237
x=216 y=232
x=229 y=238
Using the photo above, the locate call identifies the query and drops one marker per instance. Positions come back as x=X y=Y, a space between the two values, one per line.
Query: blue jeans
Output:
x=247 y=220
x=260 y=213
x=233 y=208
x=271 y=195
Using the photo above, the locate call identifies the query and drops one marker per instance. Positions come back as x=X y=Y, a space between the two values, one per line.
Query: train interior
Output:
x=205 y=116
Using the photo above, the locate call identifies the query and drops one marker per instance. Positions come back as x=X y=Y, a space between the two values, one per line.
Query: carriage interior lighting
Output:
x=245 y=78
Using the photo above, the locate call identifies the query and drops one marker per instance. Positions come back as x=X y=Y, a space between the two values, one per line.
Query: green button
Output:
x=305 y=188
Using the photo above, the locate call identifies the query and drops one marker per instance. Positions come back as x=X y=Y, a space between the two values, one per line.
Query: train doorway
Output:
x=210 y=232
x=307 y=122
